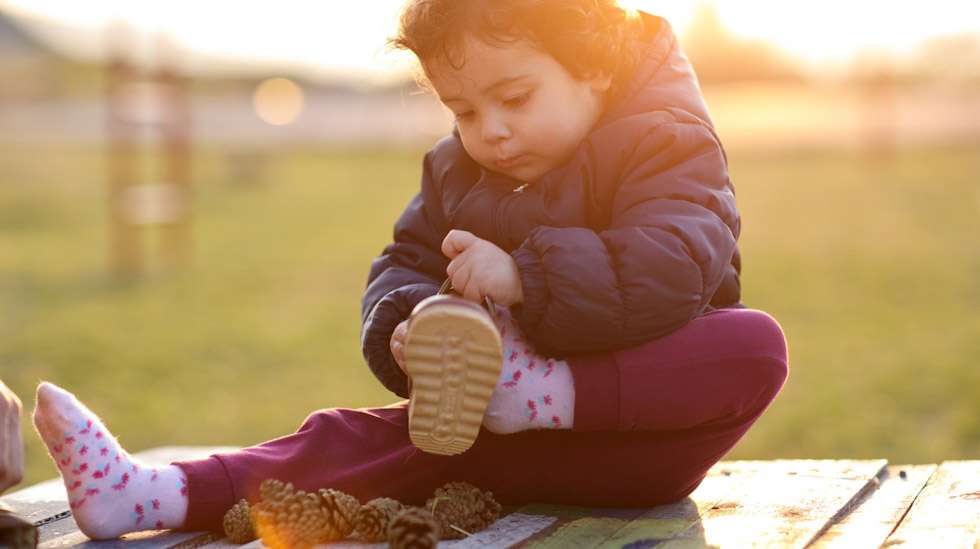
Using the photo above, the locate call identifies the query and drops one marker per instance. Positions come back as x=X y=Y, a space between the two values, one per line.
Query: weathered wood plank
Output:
x=668 y=521
x=511 y=529
x=947 y=510
x=222 y=543
x=819 y=468
x=577 y=526
x=156 y=539
x=739 y=503
x=786 y=505
x=655 y=526
x=874 y=518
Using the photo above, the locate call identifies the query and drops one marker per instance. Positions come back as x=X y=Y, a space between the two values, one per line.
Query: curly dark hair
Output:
x=587 y=37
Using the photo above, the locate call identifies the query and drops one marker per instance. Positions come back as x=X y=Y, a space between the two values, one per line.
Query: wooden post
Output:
x=880 y=109
x=175 y=126
x=134 y=203
x=126 y=257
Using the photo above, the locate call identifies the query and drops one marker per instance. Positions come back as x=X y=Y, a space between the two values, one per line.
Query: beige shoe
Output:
x=453 y=354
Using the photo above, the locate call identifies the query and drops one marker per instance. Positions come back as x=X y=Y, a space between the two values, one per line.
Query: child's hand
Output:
x=479 y=268
x=397 y=344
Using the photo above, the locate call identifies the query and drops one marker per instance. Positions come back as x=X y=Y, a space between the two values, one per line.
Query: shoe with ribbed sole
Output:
x=453 y=355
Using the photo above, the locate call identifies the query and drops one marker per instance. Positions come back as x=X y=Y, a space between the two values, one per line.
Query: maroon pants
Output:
x=649 y=422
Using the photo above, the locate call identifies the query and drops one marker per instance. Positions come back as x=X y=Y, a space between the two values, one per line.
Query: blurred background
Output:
x=191 y=194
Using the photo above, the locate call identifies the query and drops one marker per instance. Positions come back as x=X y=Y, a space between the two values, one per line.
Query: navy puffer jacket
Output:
x=629 y=240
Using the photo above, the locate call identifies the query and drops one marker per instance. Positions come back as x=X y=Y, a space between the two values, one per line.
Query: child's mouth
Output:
x=511 y=162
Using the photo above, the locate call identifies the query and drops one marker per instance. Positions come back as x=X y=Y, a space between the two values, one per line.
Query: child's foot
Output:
x=453 y=358
x=110 y=492
x=533 y=392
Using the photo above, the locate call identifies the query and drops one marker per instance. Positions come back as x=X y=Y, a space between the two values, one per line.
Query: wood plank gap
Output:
x=947 y=510
x=55 y=518
x=871 y=522
x=911 y=503
x=869 y=487
x=202 y=540
x=775 y=506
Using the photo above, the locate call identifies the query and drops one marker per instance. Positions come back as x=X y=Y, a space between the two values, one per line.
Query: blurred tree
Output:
x=719 y=56
x=877 y=75
x=952 y=58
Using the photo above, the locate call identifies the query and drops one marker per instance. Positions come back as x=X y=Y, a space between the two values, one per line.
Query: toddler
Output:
x=584 y=191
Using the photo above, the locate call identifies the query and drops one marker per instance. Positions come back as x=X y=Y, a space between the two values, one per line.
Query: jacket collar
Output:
x=663 y=78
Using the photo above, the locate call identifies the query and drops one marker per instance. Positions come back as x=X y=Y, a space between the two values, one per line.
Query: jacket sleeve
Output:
x=657 y=262
x=408 y=270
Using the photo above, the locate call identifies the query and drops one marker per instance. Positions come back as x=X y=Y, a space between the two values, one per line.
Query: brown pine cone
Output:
x=288 y=518
x=238 y=523
x=413 y=528
x=464 y=506
x=372 y=519
x=274 y=490
x=341 y=510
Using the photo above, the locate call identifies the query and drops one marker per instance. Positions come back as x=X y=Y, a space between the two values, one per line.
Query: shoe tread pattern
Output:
x=455 y=362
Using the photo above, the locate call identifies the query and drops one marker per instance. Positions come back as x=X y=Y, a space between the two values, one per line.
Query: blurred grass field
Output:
x=870 y=263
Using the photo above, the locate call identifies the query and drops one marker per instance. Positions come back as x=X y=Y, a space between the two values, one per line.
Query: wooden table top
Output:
x=782 y=503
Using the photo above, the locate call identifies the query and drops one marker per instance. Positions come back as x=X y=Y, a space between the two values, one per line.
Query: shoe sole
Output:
x=454 y=356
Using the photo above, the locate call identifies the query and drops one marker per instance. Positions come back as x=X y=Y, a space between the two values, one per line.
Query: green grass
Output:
x=871 y=265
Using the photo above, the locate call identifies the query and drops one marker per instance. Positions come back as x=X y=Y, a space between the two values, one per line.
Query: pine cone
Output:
x=274 y=490
x=287 y=518
x=413 y=528
x=372 y=519
x=464 y=506
x=341 y=510
x=238 y=523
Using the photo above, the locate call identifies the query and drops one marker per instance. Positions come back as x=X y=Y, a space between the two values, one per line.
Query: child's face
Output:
x=519 y=111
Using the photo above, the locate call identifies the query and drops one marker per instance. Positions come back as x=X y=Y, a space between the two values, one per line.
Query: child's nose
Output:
x=495 y=129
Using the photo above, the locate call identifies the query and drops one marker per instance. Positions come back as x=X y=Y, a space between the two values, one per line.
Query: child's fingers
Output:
x=398 y=351
x=397 y=344
x=400 y=332
x=456 y=242
x=456 y=264
x=461 y=277
x=473 y=293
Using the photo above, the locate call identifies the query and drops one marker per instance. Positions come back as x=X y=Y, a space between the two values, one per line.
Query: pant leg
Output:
x=365 y=452
x=649 y=420
x=714 y=368
x=635 y=458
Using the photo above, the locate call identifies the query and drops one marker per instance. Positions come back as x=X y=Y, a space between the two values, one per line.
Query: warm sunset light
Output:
x=278 y=101
x=831 y=30
x=709 y=273
x=314 y=38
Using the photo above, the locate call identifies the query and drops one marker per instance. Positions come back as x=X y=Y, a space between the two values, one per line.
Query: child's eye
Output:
x=519 y=100
x=464 y=115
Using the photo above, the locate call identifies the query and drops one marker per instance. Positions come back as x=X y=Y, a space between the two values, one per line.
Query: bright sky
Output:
x=323 y=39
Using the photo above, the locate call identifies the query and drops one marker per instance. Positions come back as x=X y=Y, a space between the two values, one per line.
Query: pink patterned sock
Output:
x=533 y=392
x=110 y=492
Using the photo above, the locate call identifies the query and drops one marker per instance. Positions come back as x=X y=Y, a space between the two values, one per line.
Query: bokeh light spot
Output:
x=278 y=101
